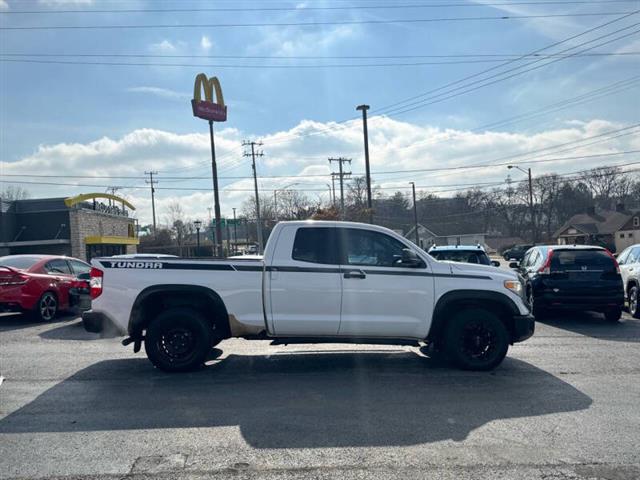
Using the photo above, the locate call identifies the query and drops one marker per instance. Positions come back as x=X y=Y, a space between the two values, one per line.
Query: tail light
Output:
x=16 y=279
x=546 y=268
x=95 y=283
x=615 y=262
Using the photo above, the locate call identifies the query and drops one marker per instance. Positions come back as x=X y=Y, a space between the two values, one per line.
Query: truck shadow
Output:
x=594 y=325
x=308 y=400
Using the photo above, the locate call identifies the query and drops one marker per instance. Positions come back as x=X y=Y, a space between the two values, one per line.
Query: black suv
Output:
x=516 y=252
x=574 y=277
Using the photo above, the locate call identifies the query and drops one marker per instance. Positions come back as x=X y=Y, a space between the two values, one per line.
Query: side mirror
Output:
x=514 y=265
x=495 y=263
x=410 y=259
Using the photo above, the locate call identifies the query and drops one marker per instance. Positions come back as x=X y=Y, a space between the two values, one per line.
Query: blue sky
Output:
x=106 y=120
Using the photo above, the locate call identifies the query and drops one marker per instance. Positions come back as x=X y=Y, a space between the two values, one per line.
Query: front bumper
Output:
x=523 y=327
x=98 y=322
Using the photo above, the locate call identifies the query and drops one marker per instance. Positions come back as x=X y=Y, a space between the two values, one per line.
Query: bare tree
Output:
x=12 y=193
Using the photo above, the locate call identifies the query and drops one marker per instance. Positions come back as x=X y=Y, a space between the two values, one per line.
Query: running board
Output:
x=372 y=341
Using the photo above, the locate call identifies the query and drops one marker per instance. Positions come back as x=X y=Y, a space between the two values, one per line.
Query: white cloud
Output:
x=394 y=145
x=205 y=43
x=159 y=92
x=167 y=46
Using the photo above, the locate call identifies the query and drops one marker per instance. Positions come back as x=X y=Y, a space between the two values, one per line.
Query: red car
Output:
x=43 y=285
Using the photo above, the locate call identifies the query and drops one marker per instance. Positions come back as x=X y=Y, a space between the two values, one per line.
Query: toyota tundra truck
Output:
x=318 y=281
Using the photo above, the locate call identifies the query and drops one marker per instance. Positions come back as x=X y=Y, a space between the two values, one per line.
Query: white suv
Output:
x=629 y=261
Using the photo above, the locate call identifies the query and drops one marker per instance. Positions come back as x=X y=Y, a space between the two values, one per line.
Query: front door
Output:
x=304 y=285
x=381 y=298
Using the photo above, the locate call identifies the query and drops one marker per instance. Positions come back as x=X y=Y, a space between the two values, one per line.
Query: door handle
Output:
x=355 y=274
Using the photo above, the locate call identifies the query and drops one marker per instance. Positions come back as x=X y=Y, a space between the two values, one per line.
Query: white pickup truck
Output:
x=318 y=282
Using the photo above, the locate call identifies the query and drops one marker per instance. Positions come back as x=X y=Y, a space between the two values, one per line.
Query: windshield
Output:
x=19 y=262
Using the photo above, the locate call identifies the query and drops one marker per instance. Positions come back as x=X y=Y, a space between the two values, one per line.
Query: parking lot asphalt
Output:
x=563 y=405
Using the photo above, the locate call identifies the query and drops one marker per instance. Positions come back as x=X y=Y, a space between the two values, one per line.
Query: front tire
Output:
x=633 y=302
x=46 y=308
x=476 y=339
x=178 y=340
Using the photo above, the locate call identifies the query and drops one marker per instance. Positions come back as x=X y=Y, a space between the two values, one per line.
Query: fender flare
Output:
x=136 y=319
x=471 y=298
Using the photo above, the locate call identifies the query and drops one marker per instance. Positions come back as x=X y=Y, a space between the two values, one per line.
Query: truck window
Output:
x=315 y=245
x=365 y=247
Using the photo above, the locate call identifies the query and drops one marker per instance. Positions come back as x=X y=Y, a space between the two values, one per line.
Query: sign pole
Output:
x=216 y=198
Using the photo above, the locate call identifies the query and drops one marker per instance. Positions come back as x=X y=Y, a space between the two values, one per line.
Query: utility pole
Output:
x=415 y=212
x=342 y=174
x=152 y=182
x=253 y=156
x=235 y=232
x=365 y=128
x=216 y=198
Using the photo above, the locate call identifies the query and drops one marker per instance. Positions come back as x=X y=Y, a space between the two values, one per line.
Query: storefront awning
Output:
x=111 y=240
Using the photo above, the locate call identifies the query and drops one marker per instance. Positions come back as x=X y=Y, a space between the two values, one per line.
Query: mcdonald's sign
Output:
x=207 y=109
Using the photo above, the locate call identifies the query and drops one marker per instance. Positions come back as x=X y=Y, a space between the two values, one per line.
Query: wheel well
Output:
x=443 y=313
x=631 y=283
x=155 y=300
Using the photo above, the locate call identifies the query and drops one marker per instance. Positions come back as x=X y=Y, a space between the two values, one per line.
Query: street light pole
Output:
x=415 y=213
x=531 y=209
x=197 y=224
x=363 y=109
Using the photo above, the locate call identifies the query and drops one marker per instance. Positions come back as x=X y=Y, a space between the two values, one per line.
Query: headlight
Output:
x=514 y=285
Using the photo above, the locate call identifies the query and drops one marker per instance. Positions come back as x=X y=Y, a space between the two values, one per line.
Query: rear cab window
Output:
x=316 y=245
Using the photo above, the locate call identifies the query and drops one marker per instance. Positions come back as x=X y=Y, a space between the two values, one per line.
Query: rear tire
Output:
x=633 y=302
x=613 y=315
x=47 y=307
x=178 y=340
x=476 y=339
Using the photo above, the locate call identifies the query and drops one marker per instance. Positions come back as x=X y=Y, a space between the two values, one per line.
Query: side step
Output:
x=371 y=341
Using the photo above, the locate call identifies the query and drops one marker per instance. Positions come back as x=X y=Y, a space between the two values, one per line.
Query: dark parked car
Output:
x=43 y=285
x=516 y=252
x=462 y=253
x=576 y=277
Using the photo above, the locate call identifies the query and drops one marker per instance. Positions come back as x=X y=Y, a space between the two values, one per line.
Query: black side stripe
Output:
x=152 y=265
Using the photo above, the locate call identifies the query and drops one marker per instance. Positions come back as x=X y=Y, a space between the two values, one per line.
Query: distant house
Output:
x=453 y=234
x=614 y=229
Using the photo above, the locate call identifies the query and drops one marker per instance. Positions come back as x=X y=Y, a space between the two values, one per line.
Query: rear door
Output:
x=304 y=283
x=381 y=298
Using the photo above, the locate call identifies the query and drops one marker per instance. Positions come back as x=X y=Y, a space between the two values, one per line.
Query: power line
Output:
x=315 y=23
x=478 y=74
x=303 y=8
x=498 y=56
x=476 y=85
x=466 y=186
x=14 y=59
x=344 y=123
